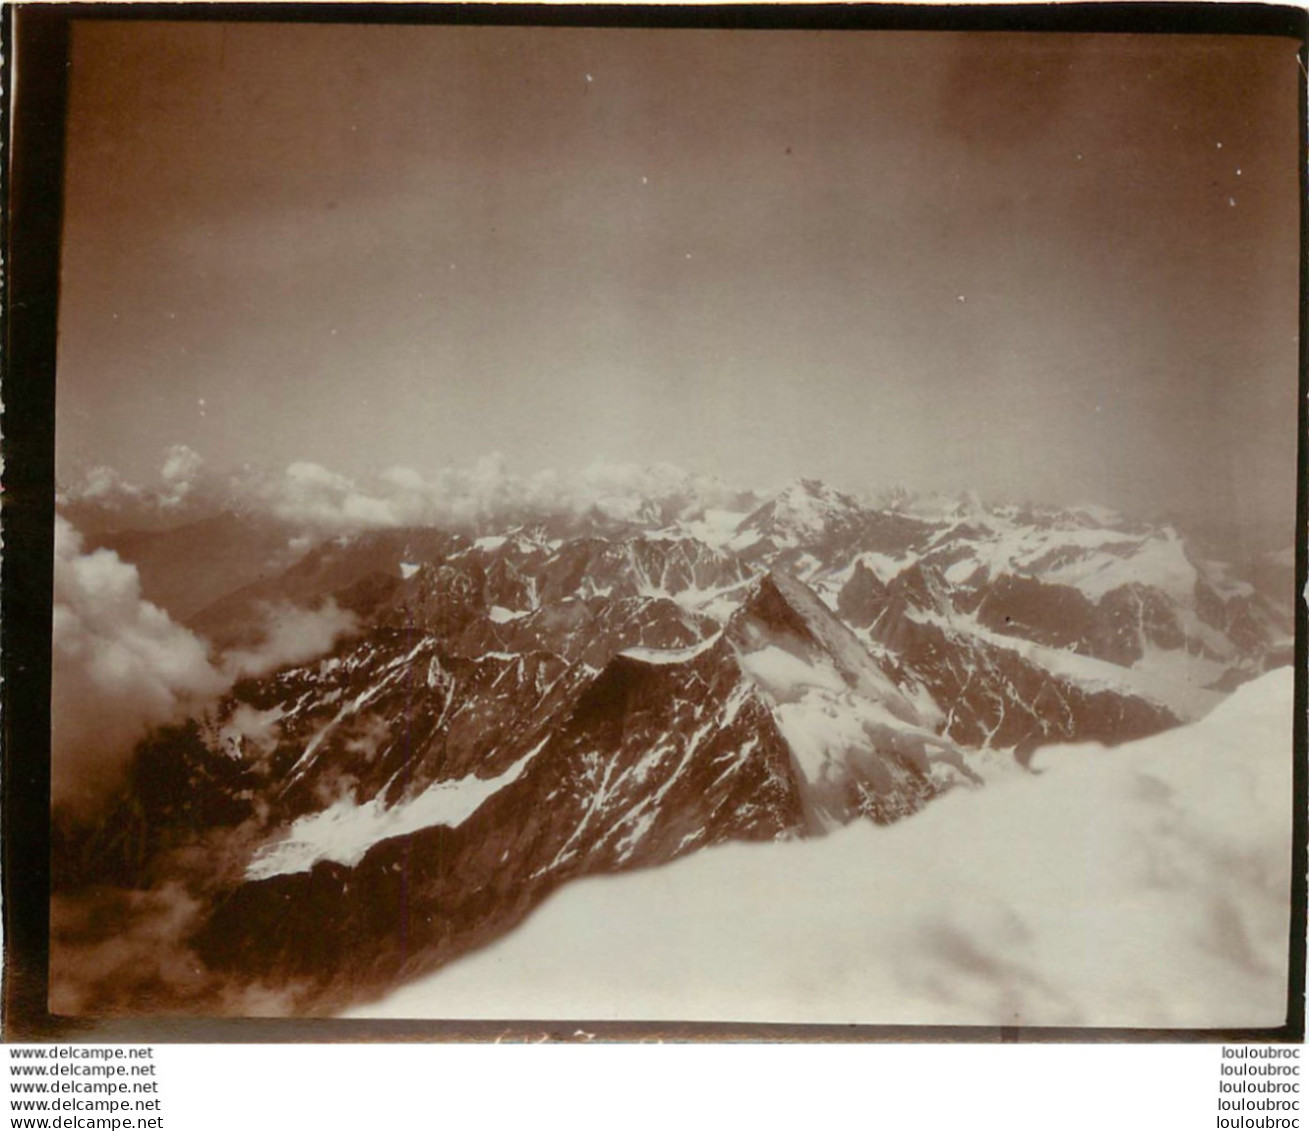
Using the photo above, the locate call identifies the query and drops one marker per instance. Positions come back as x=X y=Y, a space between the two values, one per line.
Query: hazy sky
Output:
x=1060 y=267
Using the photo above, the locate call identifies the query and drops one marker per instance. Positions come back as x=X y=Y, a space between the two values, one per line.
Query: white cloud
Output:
x=181 y=464
x=252 y=731
x=105 y=485
x=311 y=494
x=291 y=636
x=313 y=476
x=404 y=479
x=486 y=495
x=490 y=494
x=120 y=666
x=180 y=473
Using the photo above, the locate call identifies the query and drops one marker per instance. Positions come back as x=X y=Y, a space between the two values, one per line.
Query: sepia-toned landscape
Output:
x=675 y=525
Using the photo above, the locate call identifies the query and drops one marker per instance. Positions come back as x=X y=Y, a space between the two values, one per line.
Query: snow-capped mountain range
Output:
x=1140 y=887
x=525 y=703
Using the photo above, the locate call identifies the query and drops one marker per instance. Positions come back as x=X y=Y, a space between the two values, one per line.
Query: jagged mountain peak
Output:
x=805 y=496
x=805 y=512
x=784 y=620
x=767 y=608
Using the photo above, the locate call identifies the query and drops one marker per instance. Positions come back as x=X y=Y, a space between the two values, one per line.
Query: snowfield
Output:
x=1144 y=886
x=346 y=830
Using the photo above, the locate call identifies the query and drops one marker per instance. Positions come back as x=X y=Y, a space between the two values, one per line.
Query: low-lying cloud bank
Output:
x=490 y=493
x=486 y=494
x=121 y=666
x=145 y=958
x=1144 y=886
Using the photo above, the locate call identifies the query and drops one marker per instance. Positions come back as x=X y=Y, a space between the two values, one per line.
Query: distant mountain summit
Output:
x=805 y=512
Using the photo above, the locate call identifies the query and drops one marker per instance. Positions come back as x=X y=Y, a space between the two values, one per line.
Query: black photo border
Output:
x=35 y=41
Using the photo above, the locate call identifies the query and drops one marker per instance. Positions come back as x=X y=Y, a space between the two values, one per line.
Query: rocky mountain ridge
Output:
x=522 y=707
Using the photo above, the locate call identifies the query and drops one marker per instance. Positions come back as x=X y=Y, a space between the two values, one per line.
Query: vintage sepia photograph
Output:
x=708 y=525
